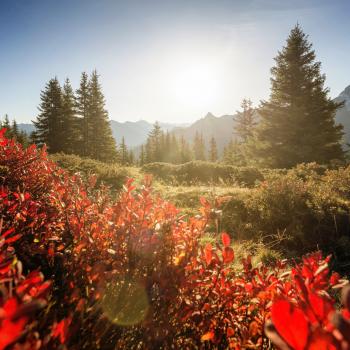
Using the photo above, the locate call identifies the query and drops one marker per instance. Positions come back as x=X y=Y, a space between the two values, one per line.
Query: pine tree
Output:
x=124 y=154
x=101 y=143
x=154 y=147
x=14 y=129
x=70 y=122
x=245 y=121
x=213 y=151
x=297 y=123
x=6 y=124
x=142 y=158
x=48 y=125
x=185 y=154
x=82 y=100
x=199 y=147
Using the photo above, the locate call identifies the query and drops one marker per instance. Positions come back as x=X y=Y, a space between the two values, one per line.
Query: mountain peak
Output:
x=209 y=115
x=344 y=96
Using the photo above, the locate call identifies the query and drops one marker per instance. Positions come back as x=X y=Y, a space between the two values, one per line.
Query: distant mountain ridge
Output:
x=135 y=133
x=343 y=114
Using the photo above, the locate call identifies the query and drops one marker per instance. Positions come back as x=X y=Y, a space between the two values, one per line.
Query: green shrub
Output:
x=200 y=172
x=110 y=174
x=299 y=211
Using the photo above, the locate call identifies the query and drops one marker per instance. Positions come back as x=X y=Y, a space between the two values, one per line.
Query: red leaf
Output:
x=60 y=330
x=228 y=255
x=225 y=239
x=208 y=251
x=321 y=306
x=230 y=332
x=290 y=323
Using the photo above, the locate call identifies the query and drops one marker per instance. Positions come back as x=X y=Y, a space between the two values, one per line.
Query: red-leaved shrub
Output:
x=82 y=270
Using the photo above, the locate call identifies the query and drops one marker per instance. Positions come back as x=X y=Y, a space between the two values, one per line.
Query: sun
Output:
x=195 y=84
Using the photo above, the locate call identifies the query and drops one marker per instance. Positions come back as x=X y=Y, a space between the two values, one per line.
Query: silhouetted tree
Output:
x=297 y=123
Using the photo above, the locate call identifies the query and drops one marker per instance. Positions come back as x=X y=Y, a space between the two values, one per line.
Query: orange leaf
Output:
x=226 y=240
x=208 y=336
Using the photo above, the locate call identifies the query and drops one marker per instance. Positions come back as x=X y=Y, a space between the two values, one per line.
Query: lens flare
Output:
x=125 y=302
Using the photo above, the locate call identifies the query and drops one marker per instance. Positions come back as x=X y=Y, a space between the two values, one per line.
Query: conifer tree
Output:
x=48 y=125
x=70 y=123
x=124 y=154
x=7 y=126
x=185 y=154
x=82 y=100
x=245 y=121
x=199 y=147
x=297 y=123
x=14 y=129
x=101 y=143
x=142 y=158
x=213 y=151
x=154 y=147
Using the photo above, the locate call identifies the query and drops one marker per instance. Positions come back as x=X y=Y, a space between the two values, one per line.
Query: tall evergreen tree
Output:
x=124 y=154
x=297 y=123
x=245 y=121
x=154 y=147
x=213 y=151
x=70 y=123
x=199 y=147
x=101 y=143
x=48 y=125
x=14 y=129
x=82 y=100
x=6 y=124
x=142 y=158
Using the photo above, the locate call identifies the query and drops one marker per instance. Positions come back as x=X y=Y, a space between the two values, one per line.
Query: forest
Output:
x=172 y=245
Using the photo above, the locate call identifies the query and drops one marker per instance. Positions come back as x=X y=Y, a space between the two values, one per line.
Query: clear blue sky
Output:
x=162 y=60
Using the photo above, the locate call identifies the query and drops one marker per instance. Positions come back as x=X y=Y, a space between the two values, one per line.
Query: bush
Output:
x=200 y=172
x=298 y=212
x=131 y=273
x=110 y=174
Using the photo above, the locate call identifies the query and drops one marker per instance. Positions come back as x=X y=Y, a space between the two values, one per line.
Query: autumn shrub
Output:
x=80 y=270
x=201 y=172
x=113 y=175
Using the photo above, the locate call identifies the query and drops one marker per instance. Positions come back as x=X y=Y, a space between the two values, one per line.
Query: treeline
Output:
x=163 y=146
x=13 y=132
x=75 y=122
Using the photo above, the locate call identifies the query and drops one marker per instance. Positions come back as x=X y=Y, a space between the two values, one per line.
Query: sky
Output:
x=171 y=61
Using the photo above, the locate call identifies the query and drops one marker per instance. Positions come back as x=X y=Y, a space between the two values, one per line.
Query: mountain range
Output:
x=221 y=128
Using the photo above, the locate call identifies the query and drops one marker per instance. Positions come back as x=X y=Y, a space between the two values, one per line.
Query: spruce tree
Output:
x=70 y=123
x=82 y=100
x=48 y=125
x=124 y=154
x=6 y=124
x=213 y=151
x=245 y=121
x=142 y=158
x=297 y=123
x=101 y=144
x=154 y=147
x=14 y=130
x=199 y=147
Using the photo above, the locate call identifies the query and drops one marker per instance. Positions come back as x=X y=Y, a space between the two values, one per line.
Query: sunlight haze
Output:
x=171 y=61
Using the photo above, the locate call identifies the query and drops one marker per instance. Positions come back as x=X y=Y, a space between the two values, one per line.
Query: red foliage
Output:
x=81 y=270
